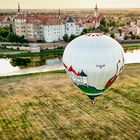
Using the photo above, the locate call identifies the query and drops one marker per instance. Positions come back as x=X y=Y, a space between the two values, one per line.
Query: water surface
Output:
x=44 y=64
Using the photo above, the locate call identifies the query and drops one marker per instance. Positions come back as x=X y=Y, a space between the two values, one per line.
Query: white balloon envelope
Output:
x=93 y=61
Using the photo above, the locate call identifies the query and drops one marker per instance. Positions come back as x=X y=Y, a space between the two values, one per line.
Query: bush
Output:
x=18 y=39
x=133 y=36
x=72 y=37
x=40 y=41
x=20 y=61
x=66 y=38
x=103 y=28
x=4 y=31
x=17 y=48
x=126 y=37
x=87 y=30
x=112 y=35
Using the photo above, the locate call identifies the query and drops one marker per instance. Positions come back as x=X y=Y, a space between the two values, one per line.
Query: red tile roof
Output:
x=31 y=19
x=99 y=16
x=2 y=18
x=19 y=16
x=53 y=21
x=126 y=30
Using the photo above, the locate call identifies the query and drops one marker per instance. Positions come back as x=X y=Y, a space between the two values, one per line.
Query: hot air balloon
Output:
x=93 y=61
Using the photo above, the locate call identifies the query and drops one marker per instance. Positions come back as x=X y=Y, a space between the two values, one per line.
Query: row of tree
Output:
x=7 y=35
x=20 y=61
x=67 y=38
x=126 y=37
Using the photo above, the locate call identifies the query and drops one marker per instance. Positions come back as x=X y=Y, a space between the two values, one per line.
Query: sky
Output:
x=55 y=4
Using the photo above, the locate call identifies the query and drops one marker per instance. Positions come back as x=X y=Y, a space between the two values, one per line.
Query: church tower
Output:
x=59 y=13
x=96 y=10
x=19 y=10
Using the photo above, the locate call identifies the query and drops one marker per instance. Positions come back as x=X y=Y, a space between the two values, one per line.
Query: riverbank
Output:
x=54 y=53
x=51 y=53
x=32 y=70
x=131 y=46
x=49 y=106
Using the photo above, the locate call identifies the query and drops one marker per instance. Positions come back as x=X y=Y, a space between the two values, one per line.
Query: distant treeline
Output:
x=130 y=12
x=7 y=14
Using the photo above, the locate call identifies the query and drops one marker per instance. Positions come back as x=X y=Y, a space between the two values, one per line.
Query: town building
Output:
x=29 y=26
x=73 y=27
x=48 y=28
x=5 y=21
x=37 y=27
x=97 y=17
x=20 y=25
x=54 y=30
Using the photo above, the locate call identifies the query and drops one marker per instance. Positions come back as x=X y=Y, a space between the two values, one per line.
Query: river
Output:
x=51 y=64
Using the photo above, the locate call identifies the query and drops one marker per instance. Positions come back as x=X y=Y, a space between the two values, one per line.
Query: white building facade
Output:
x=72 y=28
x=54 y=30
x=29 y=27
x=20 y=26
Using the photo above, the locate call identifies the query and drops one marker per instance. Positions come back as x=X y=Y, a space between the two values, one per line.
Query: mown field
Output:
x=50 y=106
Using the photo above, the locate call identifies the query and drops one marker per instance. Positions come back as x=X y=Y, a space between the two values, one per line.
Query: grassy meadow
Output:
x=48 y=106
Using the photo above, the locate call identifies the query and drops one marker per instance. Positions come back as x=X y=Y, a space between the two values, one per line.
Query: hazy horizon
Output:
x=69 y=4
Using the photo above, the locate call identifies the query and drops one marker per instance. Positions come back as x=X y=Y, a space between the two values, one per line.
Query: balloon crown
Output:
x=94 y=34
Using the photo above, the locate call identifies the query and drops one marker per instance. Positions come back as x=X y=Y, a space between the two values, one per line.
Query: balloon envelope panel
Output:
x=93 y=62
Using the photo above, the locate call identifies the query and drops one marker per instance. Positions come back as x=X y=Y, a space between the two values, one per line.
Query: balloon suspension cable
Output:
x=92 y=98
x=93 y=101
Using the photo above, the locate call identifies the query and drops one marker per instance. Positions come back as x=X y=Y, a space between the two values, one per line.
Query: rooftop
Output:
x=69 y=19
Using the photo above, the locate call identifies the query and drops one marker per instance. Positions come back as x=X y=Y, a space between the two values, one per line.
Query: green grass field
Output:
x=6 y=50
x=130 y=47
x=49 y=106
x=57 y=52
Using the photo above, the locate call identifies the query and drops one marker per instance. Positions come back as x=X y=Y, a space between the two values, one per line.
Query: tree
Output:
x=1 y=38
x=113 y=23
x=133 y=36
x=4 y=32
x=131 y=33
x=72 y=37
x=66 y=38
x=103 y=22
x=22 y=39
x=17 y=48
x=11 y=28
x=20 y=61
x=126 y=37
x=112 y=35
x=137 y=37
x=15 y=38
x=87 y=30
x=120 y=23
x=106 y=29
x=120 y=31
x=103 y=28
